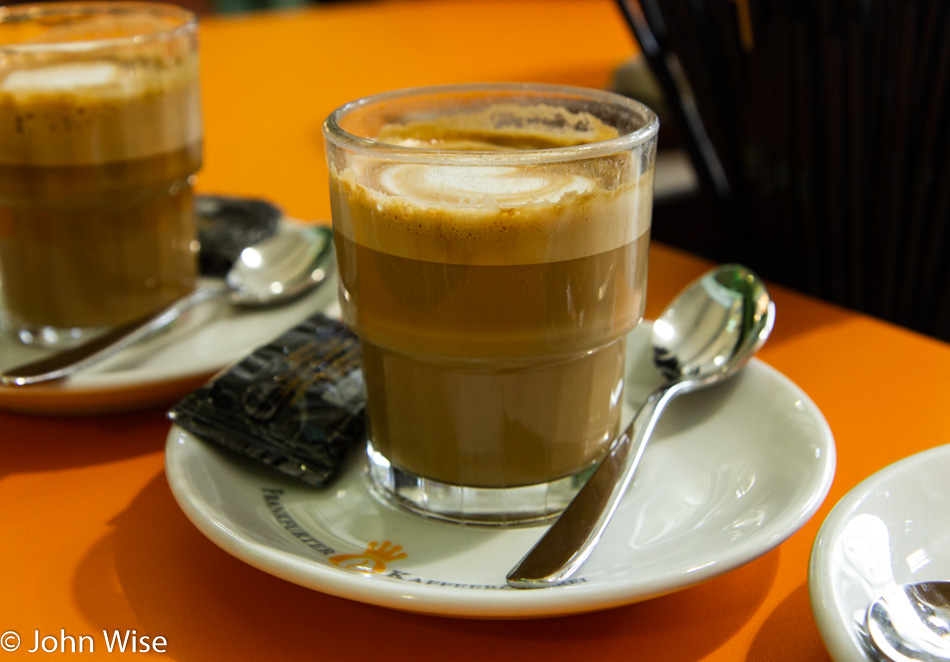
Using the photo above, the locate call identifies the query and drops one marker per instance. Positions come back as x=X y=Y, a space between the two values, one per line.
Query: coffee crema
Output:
x=492 y=301
x=96 y=156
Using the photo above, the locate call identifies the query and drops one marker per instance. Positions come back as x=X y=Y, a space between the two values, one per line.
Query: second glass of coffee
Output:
x=492 y=245
x=102 y=132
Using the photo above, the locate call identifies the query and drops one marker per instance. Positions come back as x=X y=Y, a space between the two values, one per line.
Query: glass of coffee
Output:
x=100 y=137
x=492 y=250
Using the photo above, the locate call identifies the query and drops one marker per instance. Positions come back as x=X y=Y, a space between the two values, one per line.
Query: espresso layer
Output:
x=493 y=424
x=97 y=245
x=424 y=308
x=492 y=376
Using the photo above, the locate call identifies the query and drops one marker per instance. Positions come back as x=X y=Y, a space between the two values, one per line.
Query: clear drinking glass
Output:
x=492 y=248
x=100 y=136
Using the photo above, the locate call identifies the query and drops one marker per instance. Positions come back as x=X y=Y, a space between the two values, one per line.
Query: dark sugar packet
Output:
x=295 y=404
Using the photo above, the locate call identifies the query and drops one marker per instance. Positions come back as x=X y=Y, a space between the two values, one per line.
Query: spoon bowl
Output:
x=281 y=268
x=703 y=337
x=714 y=326
x=911 y=622
x=273 y=272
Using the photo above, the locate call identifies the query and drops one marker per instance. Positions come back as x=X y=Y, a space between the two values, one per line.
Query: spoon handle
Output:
x=69 y=361
x=572 y=537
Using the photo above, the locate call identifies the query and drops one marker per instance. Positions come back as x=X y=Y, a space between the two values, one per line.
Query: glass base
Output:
x=50 y=337
x=478 y=506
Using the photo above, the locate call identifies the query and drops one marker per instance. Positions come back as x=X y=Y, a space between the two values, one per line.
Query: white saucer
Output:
x=731 y=473
x=161 y=369
x=894 y=527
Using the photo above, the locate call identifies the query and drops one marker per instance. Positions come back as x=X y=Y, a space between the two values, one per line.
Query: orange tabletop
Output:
x=91 y=537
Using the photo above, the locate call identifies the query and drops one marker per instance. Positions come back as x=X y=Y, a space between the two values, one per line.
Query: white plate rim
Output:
x=836 y=630
x=171 y=364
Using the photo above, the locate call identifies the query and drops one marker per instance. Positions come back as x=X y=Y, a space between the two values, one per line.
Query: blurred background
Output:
x=817 y=130
x=812 y=131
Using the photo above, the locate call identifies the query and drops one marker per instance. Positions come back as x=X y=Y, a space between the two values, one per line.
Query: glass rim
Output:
x=335 y=134
x=187 y=23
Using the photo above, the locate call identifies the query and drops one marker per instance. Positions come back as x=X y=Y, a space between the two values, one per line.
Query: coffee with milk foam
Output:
x=96 y=156
x=492 y=301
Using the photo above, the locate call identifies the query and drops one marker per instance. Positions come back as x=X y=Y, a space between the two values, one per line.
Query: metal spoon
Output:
x=911 y=622
x=275 y=271
x=709 y=331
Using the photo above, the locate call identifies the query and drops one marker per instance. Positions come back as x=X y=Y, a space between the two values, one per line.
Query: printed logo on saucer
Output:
x=373 y=559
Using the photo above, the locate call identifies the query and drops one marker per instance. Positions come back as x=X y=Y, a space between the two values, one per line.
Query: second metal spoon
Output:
x=709 y=331
x=911 y=622
x=269 y=273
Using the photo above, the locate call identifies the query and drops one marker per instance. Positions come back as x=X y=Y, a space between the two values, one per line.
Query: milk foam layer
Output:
x=492 y=215
x=488 y=185
x=480 y=212
x=73 y=76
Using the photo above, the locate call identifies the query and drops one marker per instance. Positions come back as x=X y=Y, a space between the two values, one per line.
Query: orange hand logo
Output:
x=373 y=559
